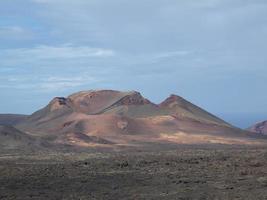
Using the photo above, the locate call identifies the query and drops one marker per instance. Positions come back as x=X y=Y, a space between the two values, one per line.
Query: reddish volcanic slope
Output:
x=260 y=128
x=108 y=118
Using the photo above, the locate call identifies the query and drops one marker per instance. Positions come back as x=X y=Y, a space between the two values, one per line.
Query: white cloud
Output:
x=54 y=83
x=43 y=52
x=154 y=58
x=173 y=54
x=11 y=29
x=46 y=83
x=15 y=32
x=57 y=86
x=7 y=69
x=42 y=1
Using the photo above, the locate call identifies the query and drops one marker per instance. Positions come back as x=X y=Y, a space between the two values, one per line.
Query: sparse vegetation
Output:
x=186 y=173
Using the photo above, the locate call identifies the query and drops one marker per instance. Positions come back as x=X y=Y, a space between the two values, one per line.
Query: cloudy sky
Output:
x=212 y=52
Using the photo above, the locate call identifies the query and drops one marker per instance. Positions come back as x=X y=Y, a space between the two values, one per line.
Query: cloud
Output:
x=46 y=83
x=55 y=83
x=42 y=1
x=11 y=29
x=7 y=69
x=171 y=54
x=57 y=52
x=15 y=32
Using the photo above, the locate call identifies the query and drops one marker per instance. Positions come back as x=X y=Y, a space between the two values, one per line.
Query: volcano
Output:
x=109 y=117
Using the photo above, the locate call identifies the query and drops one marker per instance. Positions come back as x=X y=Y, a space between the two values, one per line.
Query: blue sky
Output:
x=212 y=52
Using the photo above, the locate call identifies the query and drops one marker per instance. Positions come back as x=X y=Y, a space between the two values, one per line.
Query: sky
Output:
x=211 y=52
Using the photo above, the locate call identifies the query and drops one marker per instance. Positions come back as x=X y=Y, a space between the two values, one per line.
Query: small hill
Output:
x=11 y=119
x=260 y=128
x=12 y=138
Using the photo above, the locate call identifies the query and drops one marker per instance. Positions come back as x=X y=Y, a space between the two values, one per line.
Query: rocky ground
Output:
x=185 y=173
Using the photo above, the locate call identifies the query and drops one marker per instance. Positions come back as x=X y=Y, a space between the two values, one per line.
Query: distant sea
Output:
x=243 y=120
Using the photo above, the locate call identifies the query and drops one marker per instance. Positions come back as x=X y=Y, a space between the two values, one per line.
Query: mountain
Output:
x=260 y=128
x=11 y=119
x=112 y=118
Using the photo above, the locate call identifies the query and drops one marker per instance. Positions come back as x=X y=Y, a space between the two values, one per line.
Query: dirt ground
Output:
x=185 y=174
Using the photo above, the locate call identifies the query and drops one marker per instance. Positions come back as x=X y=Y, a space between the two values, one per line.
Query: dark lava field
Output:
x=184 y=173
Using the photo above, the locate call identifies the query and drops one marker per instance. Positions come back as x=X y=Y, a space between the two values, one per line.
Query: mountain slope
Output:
x=182 y=108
